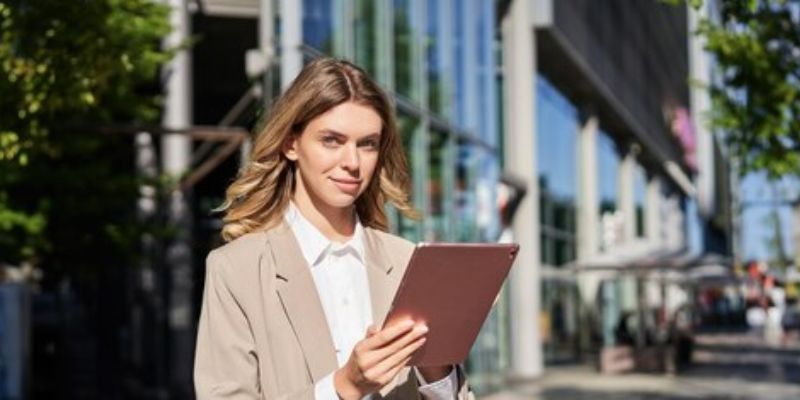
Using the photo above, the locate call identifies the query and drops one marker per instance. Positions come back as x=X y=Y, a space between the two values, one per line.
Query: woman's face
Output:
x=336 y=155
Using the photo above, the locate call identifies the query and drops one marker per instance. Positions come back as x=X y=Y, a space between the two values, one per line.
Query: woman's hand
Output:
x=376 y=359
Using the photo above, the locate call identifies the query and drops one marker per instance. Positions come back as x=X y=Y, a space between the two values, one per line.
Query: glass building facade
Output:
x=557 y=164
x=437 y=60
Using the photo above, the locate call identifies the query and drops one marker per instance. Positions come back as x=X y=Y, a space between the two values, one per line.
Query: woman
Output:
x=294 y=302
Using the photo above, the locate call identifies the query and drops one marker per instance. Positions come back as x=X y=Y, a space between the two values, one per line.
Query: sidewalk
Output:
x=726 y=366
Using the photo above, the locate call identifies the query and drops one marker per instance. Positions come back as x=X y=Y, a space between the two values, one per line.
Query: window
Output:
x=438 y=187
x=557 y=129
x=365 y=35
x=608 y=161
x=403 y=49
x=318 y=24
x=639 y=193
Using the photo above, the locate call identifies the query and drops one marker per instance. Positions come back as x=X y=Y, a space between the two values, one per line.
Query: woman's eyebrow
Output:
x=332 y=132
x=376 y=135
x=328 y=131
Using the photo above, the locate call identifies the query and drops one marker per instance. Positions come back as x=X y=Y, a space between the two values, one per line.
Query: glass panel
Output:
x=366 y=35
x=437 y=187
x=403 y=48
x=408 y=128
x=607 y=174
x=560 y=302
x=557 y=127
x=639 y=190
x=465 y=192
x=488 y=174
x=317 y=24
x=485 y=72
x=432 y=52
x=459 y=62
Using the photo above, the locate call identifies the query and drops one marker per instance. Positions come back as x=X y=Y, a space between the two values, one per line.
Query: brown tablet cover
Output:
x=451 y=287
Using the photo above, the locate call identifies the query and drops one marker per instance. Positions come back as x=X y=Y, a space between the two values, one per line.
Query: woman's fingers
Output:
x=381 y=338
x=389 y=375
x=417 y=332
x=396 y=360
x=380 y=356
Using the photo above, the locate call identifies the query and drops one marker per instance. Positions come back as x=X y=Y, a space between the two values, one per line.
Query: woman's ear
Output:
x=288 y=148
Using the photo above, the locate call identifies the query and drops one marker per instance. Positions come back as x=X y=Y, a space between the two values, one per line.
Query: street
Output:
x=726 y=366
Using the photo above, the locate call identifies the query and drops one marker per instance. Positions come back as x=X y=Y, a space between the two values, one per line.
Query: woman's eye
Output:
x=370 y=144
x=330 y=141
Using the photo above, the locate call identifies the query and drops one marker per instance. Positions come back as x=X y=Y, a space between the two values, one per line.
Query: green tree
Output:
x=756 y=99
x=68 y=67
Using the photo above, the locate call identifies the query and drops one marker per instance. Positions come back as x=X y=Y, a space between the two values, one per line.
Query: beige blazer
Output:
x=262 y=331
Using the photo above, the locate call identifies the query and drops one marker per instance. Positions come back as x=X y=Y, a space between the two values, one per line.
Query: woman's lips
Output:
x=347 y=185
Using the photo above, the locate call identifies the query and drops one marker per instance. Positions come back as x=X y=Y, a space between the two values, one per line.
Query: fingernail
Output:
x=423 y=328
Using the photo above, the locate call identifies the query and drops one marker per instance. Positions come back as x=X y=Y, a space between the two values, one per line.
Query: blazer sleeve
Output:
x=463 y=392
x=226 y=361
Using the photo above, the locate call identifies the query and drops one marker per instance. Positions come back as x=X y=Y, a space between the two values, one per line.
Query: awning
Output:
x=675 y=263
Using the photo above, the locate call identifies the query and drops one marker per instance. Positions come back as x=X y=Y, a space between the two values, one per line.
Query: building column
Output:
x=653 y=212
x=176 y=153
x=627 y=198
x=291 y=40
x=588 y=201
x=700 y=100
x=519 y=68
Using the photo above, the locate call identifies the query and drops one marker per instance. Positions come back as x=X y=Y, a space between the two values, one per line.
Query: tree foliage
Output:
x=756 y=91
x=68 y=66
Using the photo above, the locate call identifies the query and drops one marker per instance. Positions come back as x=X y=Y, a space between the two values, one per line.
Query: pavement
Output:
x=725 y=366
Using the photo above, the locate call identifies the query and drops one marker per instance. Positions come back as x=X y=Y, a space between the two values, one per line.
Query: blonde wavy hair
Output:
x=257 y=198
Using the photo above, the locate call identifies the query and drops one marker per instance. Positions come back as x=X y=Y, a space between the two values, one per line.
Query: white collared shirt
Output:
x=340 y=276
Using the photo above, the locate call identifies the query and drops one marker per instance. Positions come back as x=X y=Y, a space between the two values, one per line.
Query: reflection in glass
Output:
x=557 y=127
x=317 y=24
x=434 y=61
x=459 y=74
x=403 y=56
x=366 y=35
x=608 y=161
x=639 y=188
x=465 y=192
x=438 y=187
x=560 y=301
x=486 y=72
x=408 y=127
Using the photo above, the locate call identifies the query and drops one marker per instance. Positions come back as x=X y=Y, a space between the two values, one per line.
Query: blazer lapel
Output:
x=379 y=275
x=301 y=302
x=383 y=283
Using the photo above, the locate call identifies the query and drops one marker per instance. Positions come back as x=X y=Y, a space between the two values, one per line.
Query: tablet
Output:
x=451 y=287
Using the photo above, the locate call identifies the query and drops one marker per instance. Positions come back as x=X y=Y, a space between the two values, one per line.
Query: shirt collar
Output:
x=313 y=244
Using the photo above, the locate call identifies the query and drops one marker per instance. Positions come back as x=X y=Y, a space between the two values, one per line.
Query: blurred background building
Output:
x=586 y=106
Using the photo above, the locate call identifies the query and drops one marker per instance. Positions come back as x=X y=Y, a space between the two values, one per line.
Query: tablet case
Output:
x=451 y=287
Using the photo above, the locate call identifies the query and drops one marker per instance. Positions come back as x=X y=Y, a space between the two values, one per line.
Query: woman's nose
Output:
x=350 y=158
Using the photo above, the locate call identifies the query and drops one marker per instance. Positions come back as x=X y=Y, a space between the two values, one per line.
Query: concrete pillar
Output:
x=700 y=100
x=291 y=40
x=266 y=44
x=627 y=198
x=652 y=212
x=176 y=154
x=519 y=68
x=588 y=201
